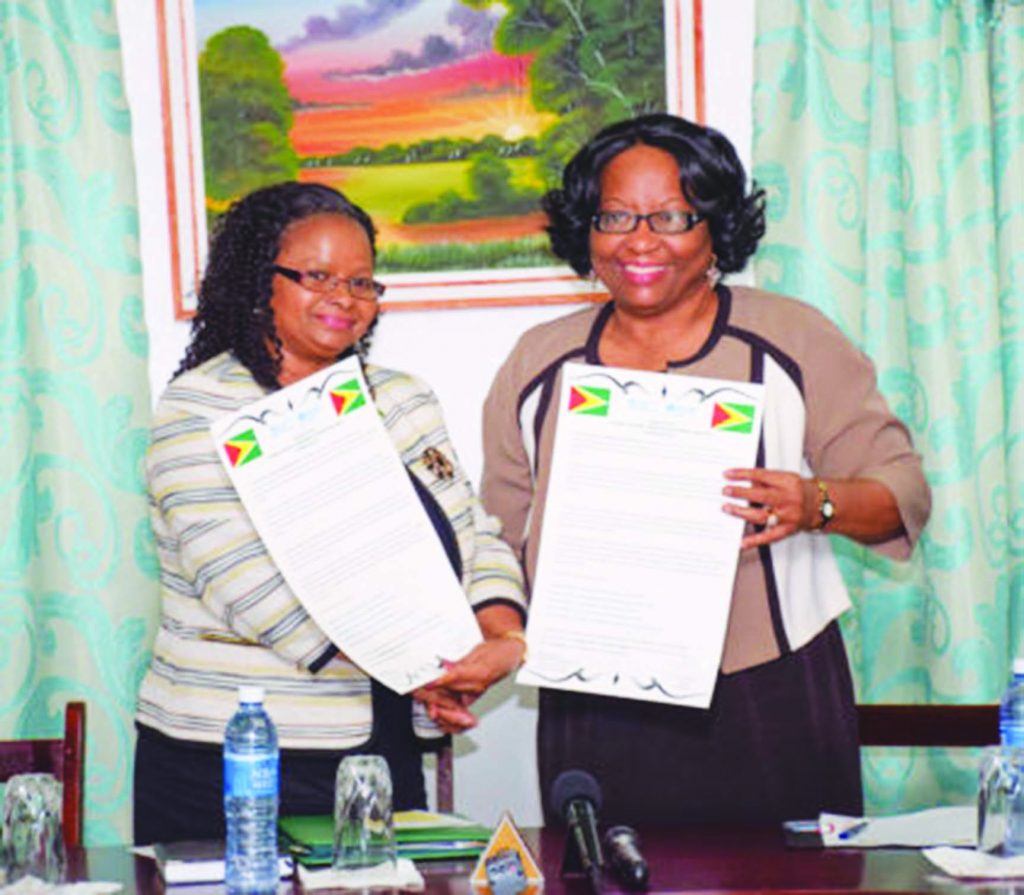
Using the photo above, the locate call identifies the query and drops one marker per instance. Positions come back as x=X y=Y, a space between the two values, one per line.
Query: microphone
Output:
x=627 y=864
x=576 y=796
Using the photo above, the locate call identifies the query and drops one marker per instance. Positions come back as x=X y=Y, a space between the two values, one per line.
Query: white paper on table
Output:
x=636 y=566
x=400 y=875
x=948 y=825
x=332 y=502
x=969 y=863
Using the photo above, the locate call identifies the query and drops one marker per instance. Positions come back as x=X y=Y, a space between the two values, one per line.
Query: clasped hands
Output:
x=783 y=502
x=449 y=697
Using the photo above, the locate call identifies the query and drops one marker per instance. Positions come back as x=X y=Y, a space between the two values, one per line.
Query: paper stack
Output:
x=420 y=835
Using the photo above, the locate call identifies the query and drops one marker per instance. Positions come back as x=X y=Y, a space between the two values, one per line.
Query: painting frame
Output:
x=183 y=170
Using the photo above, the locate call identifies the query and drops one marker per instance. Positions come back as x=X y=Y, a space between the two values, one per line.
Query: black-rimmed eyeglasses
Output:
x=361 y=288
x=668 y=221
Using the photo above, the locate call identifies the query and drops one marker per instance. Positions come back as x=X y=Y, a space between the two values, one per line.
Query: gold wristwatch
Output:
x=826 y=508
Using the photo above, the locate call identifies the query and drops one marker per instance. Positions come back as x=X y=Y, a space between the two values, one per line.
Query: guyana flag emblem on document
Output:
x=589 y=400
x=242 y=448
x=733 y=418
x=347 y=397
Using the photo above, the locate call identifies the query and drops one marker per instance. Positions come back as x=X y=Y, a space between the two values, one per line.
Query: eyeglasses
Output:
x=361 y=288
x=669 y=221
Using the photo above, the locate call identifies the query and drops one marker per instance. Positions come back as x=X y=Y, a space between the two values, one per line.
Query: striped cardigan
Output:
x=227 y=615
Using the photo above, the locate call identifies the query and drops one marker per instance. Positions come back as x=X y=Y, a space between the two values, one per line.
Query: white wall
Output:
x=458 y=352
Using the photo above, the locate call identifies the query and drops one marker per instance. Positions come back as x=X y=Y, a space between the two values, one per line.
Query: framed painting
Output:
x=445 y=119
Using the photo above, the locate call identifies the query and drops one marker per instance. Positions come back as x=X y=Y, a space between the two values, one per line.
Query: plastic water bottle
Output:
x=250 y=797
x=1011 y=735
x=1011 y=708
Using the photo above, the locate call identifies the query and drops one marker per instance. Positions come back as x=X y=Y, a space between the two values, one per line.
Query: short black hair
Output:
x=234 y=312
x=711 y=176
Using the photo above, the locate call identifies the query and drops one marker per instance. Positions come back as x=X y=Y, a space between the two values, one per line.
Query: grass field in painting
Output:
x=387 y=191
x=530 y=251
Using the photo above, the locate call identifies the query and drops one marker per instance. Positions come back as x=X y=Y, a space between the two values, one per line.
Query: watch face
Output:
x=828 y=509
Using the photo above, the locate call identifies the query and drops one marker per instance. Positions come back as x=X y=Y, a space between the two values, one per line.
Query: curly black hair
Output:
x=234 y=311
x=711 y=177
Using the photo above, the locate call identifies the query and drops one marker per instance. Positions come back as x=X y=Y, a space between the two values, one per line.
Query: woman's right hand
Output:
x=503 y=649
x=484 y=665
x=447 y=709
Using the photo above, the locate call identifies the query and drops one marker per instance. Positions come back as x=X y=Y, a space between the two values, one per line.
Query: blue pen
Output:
x=855 y=830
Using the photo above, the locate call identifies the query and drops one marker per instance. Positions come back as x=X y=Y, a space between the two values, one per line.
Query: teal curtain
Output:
x=77 y=581
x=890 y=138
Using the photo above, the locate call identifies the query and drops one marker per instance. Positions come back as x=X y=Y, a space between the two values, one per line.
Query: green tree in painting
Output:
x=490 y=179
x=493 y=195
x=246 y=112
x=595 y=61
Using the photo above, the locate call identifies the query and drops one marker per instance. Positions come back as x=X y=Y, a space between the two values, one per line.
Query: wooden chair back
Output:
x=445 y=778
x=928 y=725
x=64 y=758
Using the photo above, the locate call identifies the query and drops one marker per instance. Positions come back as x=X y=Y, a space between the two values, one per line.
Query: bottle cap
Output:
x=1018 y=665
x=250 y=694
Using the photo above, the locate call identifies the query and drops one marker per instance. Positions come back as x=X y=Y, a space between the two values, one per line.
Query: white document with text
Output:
x=332 y=502
x=636 y=566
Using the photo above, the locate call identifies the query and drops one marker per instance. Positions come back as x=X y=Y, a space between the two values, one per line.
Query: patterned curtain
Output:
x=77 y=574
x=890 y=137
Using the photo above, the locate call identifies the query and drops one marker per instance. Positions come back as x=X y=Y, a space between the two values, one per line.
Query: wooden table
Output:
x=684 y=861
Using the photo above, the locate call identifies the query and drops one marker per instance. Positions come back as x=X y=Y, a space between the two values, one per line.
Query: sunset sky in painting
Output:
x=372 y=72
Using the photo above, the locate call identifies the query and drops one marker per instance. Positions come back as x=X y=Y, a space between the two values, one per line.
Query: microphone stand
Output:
x=572 y=865
x=579 y=856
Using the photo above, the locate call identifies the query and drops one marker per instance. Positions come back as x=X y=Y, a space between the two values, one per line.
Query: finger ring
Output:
x=772 y=520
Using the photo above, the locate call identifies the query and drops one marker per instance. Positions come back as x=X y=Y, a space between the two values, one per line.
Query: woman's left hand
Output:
x=782 y=502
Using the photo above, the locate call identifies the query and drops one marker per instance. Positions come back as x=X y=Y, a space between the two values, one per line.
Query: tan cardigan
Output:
x=823 y=416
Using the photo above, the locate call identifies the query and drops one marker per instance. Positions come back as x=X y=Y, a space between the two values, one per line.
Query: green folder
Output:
x=420 y=836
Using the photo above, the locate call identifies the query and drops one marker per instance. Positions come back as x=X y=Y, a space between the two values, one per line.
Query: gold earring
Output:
x=713 y=274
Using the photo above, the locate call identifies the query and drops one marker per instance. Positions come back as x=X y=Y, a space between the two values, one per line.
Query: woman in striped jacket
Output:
x=289 y=291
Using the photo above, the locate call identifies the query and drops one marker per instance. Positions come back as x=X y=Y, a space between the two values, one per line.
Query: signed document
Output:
x=636 y=566
x=332 y=502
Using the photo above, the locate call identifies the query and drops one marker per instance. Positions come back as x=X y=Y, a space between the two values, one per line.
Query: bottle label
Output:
x=1013 y=735
x=250 y=775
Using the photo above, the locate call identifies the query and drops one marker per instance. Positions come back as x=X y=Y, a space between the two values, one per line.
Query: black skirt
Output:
x=179 y=783
x=779 y=742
